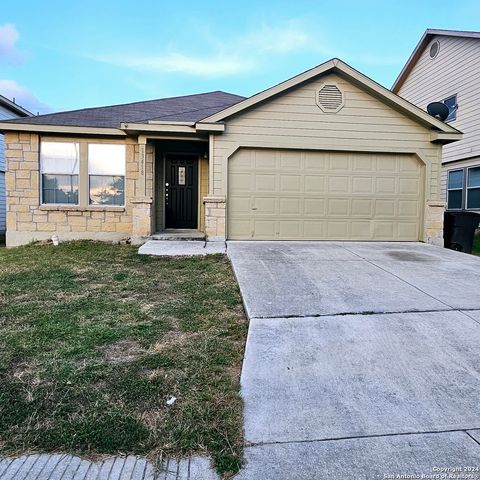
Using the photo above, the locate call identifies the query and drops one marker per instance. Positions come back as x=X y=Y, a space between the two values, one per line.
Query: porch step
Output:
x=180 y=234
x=180 y=248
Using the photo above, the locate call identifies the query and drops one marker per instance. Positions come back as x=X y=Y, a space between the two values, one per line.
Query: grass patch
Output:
x=95 y=338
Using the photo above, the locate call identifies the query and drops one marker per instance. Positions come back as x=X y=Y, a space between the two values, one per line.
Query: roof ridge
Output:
x=135 y=103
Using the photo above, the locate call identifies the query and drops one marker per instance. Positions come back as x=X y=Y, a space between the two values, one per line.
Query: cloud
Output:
x=221 y=57
x=216 y=65
x=239 y=55
x=23 y=97
x=284 y=38
x=8 y=39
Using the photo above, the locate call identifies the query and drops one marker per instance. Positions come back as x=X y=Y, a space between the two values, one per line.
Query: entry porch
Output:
x=177 y=204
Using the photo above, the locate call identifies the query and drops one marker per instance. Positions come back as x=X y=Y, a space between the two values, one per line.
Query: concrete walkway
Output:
x=362 y=359
x=68 y=467
x=175 y=248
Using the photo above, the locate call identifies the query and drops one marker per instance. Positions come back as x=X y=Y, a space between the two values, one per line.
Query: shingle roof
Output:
x=189 y=108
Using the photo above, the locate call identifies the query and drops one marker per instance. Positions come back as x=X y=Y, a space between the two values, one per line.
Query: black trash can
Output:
x=459 y=230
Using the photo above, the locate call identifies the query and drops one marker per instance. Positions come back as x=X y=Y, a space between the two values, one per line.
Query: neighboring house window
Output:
x=106 y=174
x=59 y=166
x=463 y=189
x=455 y=190
x=473 y=188
x=451 y=103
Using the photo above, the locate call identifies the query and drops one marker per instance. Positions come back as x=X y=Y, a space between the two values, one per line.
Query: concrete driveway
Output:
x=362 y=359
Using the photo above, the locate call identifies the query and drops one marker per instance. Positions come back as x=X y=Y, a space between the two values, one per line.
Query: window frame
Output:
x=467 y=188
x=97 y=205
x=42 y=173
x=83 y=201
x=454 y=113
x=464 y=189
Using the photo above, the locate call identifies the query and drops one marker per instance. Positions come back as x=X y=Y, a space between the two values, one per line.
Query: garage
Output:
x=326 y=155
x=277 y=194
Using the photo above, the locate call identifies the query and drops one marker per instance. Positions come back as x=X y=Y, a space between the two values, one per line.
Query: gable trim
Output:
x=421 y=45
x=336 y=65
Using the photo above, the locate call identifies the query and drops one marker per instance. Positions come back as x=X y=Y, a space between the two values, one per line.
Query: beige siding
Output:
x=471 y=162
x=365 y=124
x=455 y=70
x=293 y=120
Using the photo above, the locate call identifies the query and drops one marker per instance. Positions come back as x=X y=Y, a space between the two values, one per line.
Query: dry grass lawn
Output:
x=95 y=339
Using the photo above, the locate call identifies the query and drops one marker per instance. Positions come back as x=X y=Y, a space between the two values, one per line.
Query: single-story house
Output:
x=8 y=109
x=326 y=155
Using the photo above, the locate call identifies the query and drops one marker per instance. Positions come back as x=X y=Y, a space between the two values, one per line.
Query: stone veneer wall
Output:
x=434 y=213
x=28 y=220
x=142 y=195
x=215 y=218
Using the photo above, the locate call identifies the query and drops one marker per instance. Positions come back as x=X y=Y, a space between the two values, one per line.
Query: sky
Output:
x=62 y=54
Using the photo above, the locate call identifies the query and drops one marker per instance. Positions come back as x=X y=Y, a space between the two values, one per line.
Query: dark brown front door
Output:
x=181 y=191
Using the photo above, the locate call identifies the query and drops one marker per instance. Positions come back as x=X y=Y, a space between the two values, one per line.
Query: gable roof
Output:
x=13 y=107
x=337 y=66
x=189 y=108
x=424 y=41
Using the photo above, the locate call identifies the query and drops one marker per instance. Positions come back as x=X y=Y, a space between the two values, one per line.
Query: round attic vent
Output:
x=330 y=98
x=434 y=49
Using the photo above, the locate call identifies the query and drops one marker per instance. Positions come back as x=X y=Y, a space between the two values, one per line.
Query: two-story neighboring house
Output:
x=445 y=67
x=8 y=110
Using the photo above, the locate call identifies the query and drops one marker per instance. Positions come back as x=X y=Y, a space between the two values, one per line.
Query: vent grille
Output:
x=434 y=49
x=330 y=98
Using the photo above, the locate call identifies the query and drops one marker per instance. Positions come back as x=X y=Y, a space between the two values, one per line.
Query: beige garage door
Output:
x=305 y=195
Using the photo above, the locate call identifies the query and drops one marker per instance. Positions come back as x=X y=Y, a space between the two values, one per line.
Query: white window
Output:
x=473 y=188
x=451 y=103
x=106 y=174
x=455 y=190
x=59 y=166
x=463 y=189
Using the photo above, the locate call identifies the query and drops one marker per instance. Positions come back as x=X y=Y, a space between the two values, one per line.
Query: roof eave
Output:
x=444 y=137
x=172 y=127
x=63 y=129
x=166 y=122
x=124 y=130
x=210 y=127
